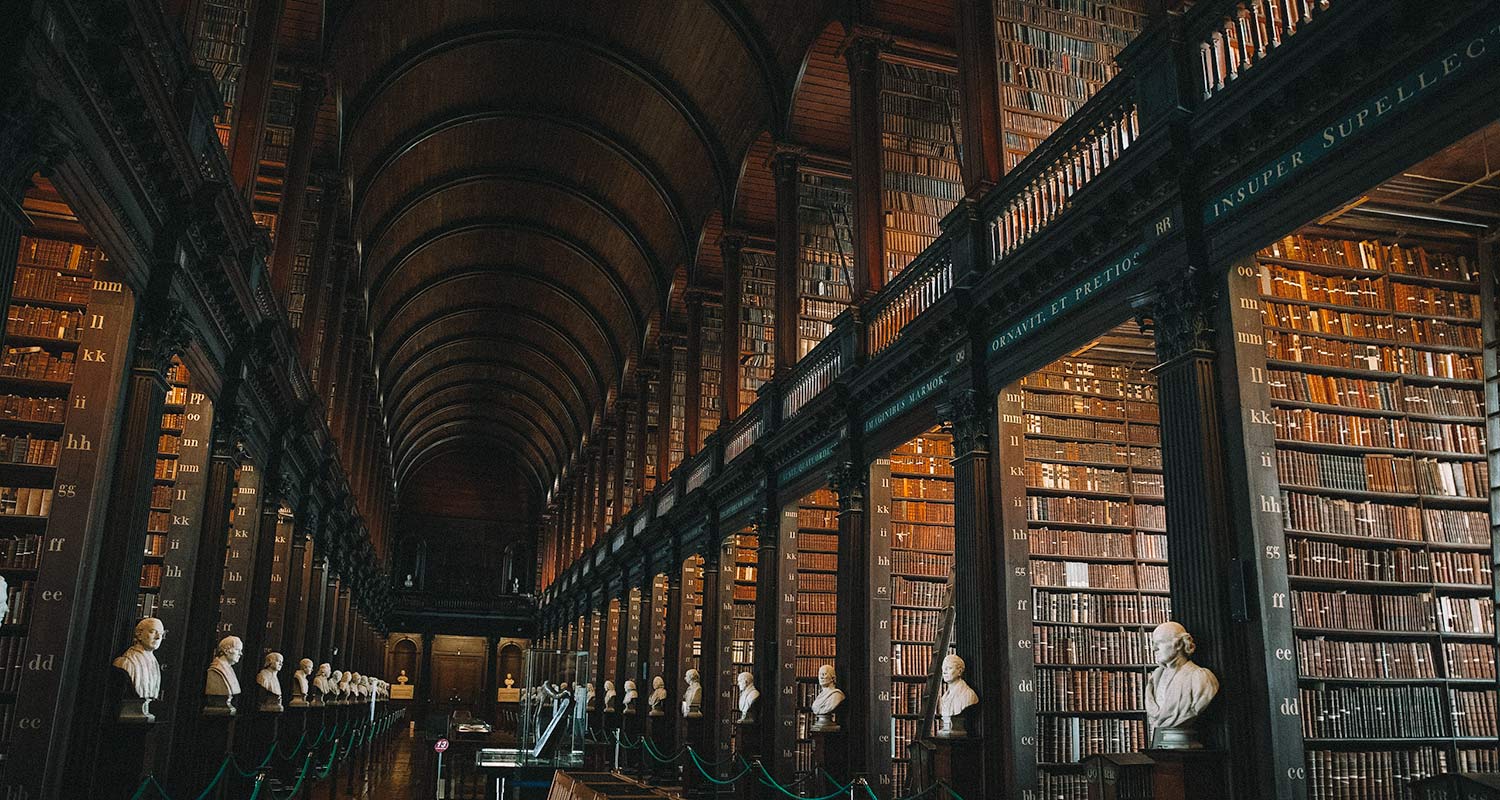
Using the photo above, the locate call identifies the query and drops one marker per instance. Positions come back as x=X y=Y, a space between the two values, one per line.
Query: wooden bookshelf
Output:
x=1374 y=373
x=59 y=377
x=244 y=536
x=825 y=259
x=709 y=367
x=1096 y=521
x=159 y=518
x=651 y=407
x=656 y=650
x=817 y=619
x=757 y=323
x=920 y=137
x=219 y=33
x=676 y=448
x=690 y=640
x=738 y=574
x=1052 y=59
x=921 y=571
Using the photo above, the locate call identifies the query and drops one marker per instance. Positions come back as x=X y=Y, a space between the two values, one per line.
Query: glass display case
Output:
x=554 y=700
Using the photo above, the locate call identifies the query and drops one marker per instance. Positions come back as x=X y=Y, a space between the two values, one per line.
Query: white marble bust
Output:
x=609 y=695
x=138 y=663
x=403 y=680
x=340 y=683
x=510 y=682
x=628 y=701
x=748 y=695
x=828 y=700
x=320 y=684
x=658 y=696
x=956 y=696
x=222 y=684
x=269 y=681
x=1178 y=690
x=588 y=698
x=299 y=682
x=692 y=696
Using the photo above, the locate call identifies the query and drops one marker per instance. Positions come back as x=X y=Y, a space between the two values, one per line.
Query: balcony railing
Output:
x=1066 y=162
x=1245 y=33
x=745 y=431
x=814 y=373
x=916 y=289
x=700 y=474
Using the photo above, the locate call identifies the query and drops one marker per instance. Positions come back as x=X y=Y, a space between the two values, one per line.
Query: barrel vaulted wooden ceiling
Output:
x=534 y=182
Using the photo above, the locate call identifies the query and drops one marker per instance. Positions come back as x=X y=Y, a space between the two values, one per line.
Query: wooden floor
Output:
x=399 y=779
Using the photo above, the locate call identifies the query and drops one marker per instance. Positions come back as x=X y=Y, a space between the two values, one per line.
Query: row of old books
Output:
x=1091 y=405
x=921 y=489
x=34 y=363
x=1067 y=739
x=19 y=408
x=921 y=564
x=1073 y=428
x=1090 y=690
x=25 y=501
x=1313 y=350
x=1095 y=452
x=910 y=660
x=815 y=624
x=1332 y=658
x=33 y=283
x=1315 y=559
x=1373 y=712
x=1054 y=542
x=1374 y=394
x=938 y=465
x=1092 y=511
x=1307 y=425
x=1381 y=326
x=12 y=664
x=19 y=595
x=1368 y=254
x=21 y=552
x=1093 y=608
x=1087 y=574
x=44 y=323
x=1384 y=473
x=913 y=625
x=1419 y=613
x=1341 y=517
x=25 y=449
x=919 y=511
x=925 y=594
x=1058 y=645
x=1087 y=377
x=1371 y=775
x=59 y=255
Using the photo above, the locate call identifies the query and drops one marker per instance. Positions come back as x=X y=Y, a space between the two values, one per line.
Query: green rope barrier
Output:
x=767 y=780
x=148 y=783
x=699 y=764
x=724 y=763
x=651 y=750
x=620 y=738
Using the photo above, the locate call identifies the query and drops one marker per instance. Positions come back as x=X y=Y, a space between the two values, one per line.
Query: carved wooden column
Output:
x=982 y=156
x=294 y=190
x=776 y=636
x=185 y=694
x=295 y=616
x=272 y=489
x=617 y=468
x=672 y=657
x=28 y=141
x=784 y=165
x=249 y=123
x=643 y=375
x=704 y=735
x=862 y=52
x=864 y=604
x=978 y=556
x=729 y=356
x=425 y=678
x=160 y=329
x=1229 y=585
x=692 y=376
x=666 y=375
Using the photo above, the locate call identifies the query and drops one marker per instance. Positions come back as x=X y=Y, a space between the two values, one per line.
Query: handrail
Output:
x=1073 y=156
x=814 y=373
x=1233 y=37
x=744 y=431
x=700 y=473
x=921 y=285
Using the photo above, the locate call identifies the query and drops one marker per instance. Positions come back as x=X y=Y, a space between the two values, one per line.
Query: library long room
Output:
x=746 y=400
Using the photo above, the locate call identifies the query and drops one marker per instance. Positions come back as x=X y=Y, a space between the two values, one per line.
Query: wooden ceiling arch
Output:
x=529 y=180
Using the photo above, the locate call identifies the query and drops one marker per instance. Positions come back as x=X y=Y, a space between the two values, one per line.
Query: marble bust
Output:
x=748 y=695
x=341 y=686
x=956 y=696
x=1178 y=690
x=299 y=683
x=269 y=681
x=658 y=696
x=320 y=685
x=828 y=700
x=403 y=680
x=609 y=696
x=628 y=701
x=222 y=684
x=588 y=699
x=138 y=663
x=510 y=683
x=692 y=696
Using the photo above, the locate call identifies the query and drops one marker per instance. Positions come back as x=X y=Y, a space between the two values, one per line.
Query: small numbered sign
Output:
x=440 y=745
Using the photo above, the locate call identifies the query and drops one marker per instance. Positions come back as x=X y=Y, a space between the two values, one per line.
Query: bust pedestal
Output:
x=1184 y=774
x=632 y=728
x=123 y=764
x=949 y=760
x=831 y=754
x=694 y=786
x=661 y=729
x=747 y=737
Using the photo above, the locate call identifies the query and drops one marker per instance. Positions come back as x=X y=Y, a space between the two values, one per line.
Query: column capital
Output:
x=1179 y=313
x=787 y=156
x=863 y=45
x=847 y=479
x=968 y=411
